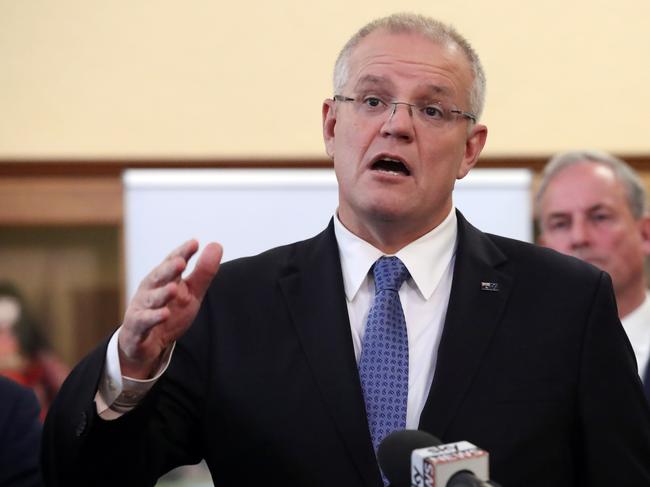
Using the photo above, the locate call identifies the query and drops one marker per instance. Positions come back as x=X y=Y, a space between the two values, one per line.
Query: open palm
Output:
x=164 y=307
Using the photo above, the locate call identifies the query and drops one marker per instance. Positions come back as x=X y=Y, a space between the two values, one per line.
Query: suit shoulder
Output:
x=280 y=260
x=12 y=392
x=543 y=260
x=17 y=400
x=269 y=259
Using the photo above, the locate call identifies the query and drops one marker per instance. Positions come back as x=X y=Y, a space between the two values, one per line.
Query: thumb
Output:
x=205 y=269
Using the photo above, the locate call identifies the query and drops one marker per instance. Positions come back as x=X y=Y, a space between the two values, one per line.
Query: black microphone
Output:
x=412 y=458
x=394 y=454
x=465 y=478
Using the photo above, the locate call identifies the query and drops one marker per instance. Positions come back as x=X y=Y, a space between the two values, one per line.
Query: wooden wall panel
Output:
x=71 y=277
x=56 y=201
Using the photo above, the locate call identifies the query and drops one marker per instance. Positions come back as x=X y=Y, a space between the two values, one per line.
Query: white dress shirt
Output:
x=637 y=327
x=424 y=297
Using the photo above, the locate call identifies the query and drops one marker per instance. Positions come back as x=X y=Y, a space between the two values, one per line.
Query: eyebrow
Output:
x=556 y=215
x=438 y=90
x=591 y=209
x=371 y=79
x=598 y=207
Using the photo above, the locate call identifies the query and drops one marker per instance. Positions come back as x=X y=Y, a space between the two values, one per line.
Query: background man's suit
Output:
x=20 y=436
x=265 y=384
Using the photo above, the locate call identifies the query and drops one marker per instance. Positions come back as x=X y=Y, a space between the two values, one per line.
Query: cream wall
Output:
x=199 y=78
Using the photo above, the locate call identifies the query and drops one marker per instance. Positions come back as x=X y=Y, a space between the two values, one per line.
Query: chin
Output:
x=387 y=213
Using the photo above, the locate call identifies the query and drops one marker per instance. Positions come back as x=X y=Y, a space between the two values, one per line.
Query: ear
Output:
x=329 y=121
x=473 y=147
x=644 y=231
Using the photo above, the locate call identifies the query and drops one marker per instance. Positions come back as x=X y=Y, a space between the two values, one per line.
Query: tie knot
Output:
x=389 y=274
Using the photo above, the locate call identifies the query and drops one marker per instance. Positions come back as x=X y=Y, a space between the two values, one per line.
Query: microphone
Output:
x=412 y=458
x=394 y=454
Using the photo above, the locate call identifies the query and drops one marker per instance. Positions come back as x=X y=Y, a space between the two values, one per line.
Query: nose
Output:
x=579 y=235
x=399 y=123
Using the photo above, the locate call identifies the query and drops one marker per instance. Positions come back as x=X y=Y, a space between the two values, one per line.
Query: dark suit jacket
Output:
x=265 y=387
x=20 y=436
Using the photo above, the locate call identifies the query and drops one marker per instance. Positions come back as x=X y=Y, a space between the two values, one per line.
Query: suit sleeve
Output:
x=161 y=433
x=615 y=418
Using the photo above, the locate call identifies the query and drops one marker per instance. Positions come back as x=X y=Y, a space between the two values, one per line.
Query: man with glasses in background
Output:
x=290 y=367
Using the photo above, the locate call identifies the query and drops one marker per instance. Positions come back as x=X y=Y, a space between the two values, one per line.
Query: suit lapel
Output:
x=313 y=289
x=482 y=282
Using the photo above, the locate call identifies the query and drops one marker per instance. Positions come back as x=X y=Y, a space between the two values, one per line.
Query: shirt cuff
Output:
x=118 y=394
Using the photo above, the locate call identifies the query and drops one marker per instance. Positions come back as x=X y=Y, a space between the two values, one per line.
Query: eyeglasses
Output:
x=436 y=114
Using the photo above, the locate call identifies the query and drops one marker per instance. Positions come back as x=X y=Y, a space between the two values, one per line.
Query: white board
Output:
x=251 y=210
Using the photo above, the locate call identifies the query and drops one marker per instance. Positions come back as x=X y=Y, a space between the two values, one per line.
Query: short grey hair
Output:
x=431 y=28
x=634 y=187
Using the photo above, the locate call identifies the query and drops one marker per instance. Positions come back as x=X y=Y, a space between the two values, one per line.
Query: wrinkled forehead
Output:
x=591 y=174
x=409 y=60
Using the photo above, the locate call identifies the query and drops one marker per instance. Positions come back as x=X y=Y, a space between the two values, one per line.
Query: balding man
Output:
x=592 y=206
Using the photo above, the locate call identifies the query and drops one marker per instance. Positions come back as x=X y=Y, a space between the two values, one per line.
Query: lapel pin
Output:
x=489 y=286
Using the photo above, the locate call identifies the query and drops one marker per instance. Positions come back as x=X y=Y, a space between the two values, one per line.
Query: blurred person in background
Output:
x=20 y=436
x=25 y=354
x=593 y=206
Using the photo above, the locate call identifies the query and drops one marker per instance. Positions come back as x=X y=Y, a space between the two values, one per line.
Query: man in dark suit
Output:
x=20 y=436
x=512 y=347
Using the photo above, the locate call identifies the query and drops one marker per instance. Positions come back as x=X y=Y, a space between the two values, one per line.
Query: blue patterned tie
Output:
x=384 y=362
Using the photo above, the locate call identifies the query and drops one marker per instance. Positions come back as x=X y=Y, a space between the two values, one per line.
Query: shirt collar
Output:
x=425 y=258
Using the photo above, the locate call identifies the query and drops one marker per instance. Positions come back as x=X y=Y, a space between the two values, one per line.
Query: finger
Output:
x=141 y=321
x=205 y=269
x=172 y=266
x=169 y=270
x=185 y=251
x=159 y=297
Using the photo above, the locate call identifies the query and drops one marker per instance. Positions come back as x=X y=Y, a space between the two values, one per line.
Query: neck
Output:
x=387 y=235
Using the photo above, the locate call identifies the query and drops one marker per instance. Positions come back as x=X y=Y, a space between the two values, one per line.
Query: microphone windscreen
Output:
x=465 y=479
x=394 y=454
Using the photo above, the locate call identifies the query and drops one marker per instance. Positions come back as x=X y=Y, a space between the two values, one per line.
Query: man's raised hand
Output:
x=164 y=307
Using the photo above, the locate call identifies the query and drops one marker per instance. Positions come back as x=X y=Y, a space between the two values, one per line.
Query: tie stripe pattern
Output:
x=383 y=366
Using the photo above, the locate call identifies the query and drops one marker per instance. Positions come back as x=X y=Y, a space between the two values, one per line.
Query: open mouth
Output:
x=391 y=166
